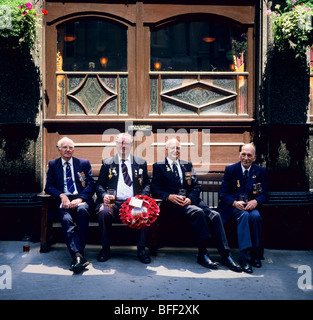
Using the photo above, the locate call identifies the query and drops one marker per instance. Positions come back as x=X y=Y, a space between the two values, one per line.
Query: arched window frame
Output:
x=53 y=113
x=245 y=114
x=139 y=18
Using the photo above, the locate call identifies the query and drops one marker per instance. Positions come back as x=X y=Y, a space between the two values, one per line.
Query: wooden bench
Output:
x=210 y=184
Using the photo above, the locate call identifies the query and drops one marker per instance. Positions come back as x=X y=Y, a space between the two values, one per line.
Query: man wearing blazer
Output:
x=71 y=184
x=244 y=188
x=170 y=177
x=128 y=176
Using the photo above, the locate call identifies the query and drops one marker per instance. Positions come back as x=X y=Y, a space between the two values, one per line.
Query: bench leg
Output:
x=44 y=246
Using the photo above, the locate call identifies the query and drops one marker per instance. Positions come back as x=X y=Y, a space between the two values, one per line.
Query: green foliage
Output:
x=19 y=24
x=19 y=76
x=292 y=25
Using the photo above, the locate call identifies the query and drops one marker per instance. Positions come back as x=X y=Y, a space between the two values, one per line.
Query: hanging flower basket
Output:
x=138 y=218
x=292 y=25
x=19 y=24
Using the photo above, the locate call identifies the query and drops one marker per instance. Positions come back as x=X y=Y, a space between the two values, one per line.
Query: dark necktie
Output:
x=126 y=176
x=245 y=179
x=69 y=179
x=176 y=174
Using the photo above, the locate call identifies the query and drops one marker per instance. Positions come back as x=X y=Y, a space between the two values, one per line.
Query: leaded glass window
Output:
x=198 y=68
x=91 y=68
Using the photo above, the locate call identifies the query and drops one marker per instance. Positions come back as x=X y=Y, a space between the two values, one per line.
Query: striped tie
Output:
x=69 y=179
x=176 y=174
x=126 y=176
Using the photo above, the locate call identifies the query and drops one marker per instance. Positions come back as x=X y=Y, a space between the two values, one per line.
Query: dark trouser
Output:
x=106 y=216
x=199 y=217
x=75 y=235
x=249 y=228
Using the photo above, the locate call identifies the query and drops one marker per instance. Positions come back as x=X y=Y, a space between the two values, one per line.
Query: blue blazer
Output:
x=85 y=186
x=232 y=186
x=164 y=183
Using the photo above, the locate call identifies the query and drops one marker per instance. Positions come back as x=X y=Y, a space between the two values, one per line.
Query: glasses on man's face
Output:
x=67 y=148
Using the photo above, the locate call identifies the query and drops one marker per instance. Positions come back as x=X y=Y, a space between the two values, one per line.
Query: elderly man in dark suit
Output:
x=244 y=188
x=173 y=174
x=128 y=176
x=70 y=182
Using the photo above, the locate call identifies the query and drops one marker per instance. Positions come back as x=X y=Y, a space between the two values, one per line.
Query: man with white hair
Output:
x=127 y=175
x=71 y=184
x=169 y=177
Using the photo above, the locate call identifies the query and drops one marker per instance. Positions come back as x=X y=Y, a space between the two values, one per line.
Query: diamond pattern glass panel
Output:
x=91 y=95
x=197 y=95
x=203 y=95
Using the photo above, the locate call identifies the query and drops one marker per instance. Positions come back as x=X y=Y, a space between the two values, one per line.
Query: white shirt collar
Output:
x=244 y=169
x=127 y=160
x=70 y=161
x=170 y=162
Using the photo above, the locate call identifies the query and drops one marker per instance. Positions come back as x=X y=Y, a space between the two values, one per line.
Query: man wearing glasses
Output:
x=121 y=177
x=71 y=184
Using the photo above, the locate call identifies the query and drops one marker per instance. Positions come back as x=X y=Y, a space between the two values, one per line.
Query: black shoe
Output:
x=104 y=255
x=79 y=264
x=143 y=256
x=231 y=264
x=205 y=261
x=246 y=267
x=256 y=262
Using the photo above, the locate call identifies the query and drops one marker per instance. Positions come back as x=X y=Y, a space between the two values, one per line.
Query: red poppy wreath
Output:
x=138 y=218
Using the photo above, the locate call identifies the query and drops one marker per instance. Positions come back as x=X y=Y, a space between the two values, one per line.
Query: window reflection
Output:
x=91 y=45
x=198 y=46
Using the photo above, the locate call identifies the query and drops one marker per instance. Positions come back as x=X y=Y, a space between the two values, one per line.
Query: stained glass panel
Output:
x=153 y=96
x=60 y=94
x=123 y=95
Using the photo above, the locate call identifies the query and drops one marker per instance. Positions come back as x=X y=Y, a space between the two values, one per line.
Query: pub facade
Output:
x=161 y=69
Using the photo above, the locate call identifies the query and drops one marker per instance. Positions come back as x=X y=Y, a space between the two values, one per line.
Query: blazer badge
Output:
x=188 y=177
x=112 y=172
x=138 y=175
x=82 y=178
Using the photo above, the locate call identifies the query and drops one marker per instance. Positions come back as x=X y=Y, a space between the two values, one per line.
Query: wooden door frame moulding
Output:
x=69 y=12
x=138 y=16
